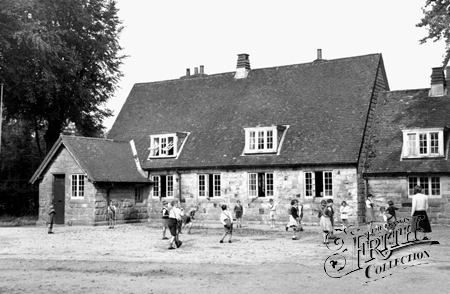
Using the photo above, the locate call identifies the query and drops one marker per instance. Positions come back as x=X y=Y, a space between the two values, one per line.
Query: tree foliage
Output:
x=437 y=21
x=60 y=63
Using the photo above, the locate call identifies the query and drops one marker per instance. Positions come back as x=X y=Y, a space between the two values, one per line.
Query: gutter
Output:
x=136 y=159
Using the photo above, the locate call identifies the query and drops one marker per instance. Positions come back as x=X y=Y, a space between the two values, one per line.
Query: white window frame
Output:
x=77 y=189
x=261 y=140
x=205 y=185
x=413 y=148
x=159 y=148
x=309 y=182
x=427 y=183
x=252 y=185
x=156 y=189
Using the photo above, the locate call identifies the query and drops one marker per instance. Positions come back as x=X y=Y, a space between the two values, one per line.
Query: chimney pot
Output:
x=196 y=70
x=188 y=72
x=437 y=82
x=202 y=69
x=319 y=54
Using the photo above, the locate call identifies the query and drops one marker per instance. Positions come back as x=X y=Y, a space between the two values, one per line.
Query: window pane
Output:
x=412 y=144
x=155 y=147
x=434 y=143
x=435 y=186
x=80 y=185
x=169 y=186
x=269 y=184
x=412 y=183
x=328 y=183
x=252 y=140
x=163 y=146
x=269 y=139
x=260 y=140
x=170 y=146
x=216 y=185
x=423 y=182
x=74 y=185
x=423 y=144
x=156 y=186
x=308 y=184
x=202 y=185
x=252 y=191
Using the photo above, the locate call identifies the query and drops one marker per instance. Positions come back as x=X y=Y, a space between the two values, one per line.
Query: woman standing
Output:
x=370 y=215
x=420 y=222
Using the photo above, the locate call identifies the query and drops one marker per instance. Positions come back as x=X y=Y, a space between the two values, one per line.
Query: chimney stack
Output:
x=188 y=72
x=195 y=70
x=319 y=56
x=202 y=69
x=437 y=82
x=243 y=66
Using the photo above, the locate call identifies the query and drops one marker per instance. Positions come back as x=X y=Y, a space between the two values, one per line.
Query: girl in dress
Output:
x=325 y=214
x=238 y=211
x=293 y=219
x=344 y=209
x=370 y=215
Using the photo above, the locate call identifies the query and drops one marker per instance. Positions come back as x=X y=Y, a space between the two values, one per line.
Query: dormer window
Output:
x=418 y=143
x=263 y=139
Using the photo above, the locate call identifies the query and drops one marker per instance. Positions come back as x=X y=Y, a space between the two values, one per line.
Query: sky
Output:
x=164 y=38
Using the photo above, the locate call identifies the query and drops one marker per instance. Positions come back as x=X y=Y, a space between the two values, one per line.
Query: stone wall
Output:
x=288 y=185
x=396 y=189
x=123 y=197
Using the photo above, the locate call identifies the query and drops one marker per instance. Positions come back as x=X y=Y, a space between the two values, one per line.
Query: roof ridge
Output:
x=206 y=76
x=89 y=138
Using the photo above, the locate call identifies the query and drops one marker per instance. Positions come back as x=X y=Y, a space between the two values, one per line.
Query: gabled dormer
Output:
x=264 y=140
x=423 y=143
x=166 y=145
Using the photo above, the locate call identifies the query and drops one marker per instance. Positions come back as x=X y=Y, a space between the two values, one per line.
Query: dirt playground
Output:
x=132 y=258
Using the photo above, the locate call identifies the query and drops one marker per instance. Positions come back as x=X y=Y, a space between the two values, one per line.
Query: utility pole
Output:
x=1 y=115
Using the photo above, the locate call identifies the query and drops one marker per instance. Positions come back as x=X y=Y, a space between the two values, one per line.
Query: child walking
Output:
x=238 y=211
x=174 y=218
x=344 y=210
x=227 y=221
x=165 y=219
x=51 y=216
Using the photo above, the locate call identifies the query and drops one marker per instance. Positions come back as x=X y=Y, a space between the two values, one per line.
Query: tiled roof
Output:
x=325 y=104
x=102 y=160
x=398 y=110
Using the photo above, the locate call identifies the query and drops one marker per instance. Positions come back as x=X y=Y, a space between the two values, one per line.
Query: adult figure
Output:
x=370 y=215
x=420 y=222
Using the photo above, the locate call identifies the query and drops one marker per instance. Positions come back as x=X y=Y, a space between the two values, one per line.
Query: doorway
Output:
x=59 y=198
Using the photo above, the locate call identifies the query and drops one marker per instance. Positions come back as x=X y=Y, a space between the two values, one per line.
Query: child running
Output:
x=189 y=217
x=51 y=216
x=238 y=212
x=344 y=210
x=227 y=221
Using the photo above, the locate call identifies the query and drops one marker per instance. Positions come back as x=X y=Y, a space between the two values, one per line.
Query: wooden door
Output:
x=58 y=198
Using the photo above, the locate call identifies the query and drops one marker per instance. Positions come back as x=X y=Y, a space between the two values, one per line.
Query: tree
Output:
x=60 y=63
x=437 y=20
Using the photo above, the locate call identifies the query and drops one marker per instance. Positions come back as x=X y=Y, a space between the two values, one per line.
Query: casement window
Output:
x=263 y=139
x=260 y=184
x=319 y=184
x=209 y=185
x=162 y=186
x=163 y=145
x=77 y=186
x=423 y=143
x=430 y=185
x=138 y=193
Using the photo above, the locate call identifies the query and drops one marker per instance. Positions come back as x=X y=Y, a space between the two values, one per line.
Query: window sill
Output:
x=260 y=152
x=161 y=157
x=423 y=157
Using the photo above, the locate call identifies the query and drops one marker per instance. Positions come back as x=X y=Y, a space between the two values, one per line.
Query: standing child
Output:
x=370 y=215
x=325 y=220
x=391 y=211
x=293 y=219
x=330 y=211
x=111 y=215
x=227 y=221
x=165 y=219
x=300 y=215
x=272 y=213
x=238 y=211
x=344 y=214
x=51 y=216
x=174 y=218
